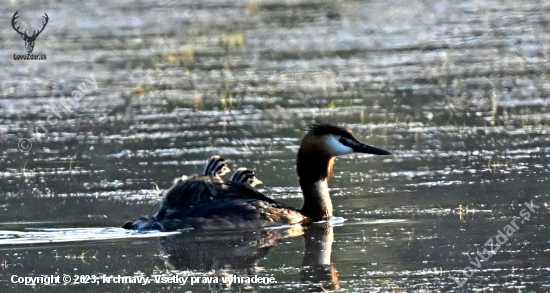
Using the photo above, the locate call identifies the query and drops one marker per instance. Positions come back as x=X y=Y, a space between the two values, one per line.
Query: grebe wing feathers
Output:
x=205 y=189
x=230 y=213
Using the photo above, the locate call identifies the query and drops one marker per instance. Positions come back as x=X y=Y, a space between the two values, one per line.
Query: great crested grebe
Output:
x=246 y=176
x=233 y=205
x=214 y=169
x=216 y=166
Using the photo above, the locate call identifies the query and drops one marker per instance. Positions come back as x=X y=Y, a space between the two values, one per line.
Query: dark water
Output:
x=458 y=91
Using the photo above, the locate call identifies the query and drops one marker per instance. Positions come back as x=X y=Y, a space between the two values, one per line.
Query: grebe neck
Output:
x=314 y=171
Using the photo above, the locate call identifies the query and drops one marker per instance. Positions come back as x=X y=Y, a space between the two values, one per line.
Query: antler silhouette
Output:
x=15 y=16
x=35 y=35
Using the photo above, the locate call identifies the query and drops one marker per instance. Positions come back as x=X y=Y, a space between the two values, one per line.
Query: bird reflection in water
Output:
x=238 y=253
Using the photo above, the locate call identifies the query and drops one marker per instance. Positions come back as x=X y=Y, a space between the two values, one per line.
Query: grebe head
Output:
x=332 y=141
x=245 y=176
x=216 y=166
x=322 y=144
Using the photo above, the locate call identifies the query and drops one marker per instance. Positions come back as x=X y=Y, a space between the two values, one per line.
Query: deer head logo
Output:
x=29 y=41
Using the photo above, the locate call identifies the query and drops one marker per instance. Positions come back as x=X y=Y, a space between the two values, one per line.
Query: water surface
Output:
x=458 y=92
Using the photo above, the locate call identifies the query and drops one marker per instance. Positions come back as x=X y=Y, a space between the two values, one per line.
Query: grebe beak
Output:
x=256 y=181
x=360 y=147
x=225 y=170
